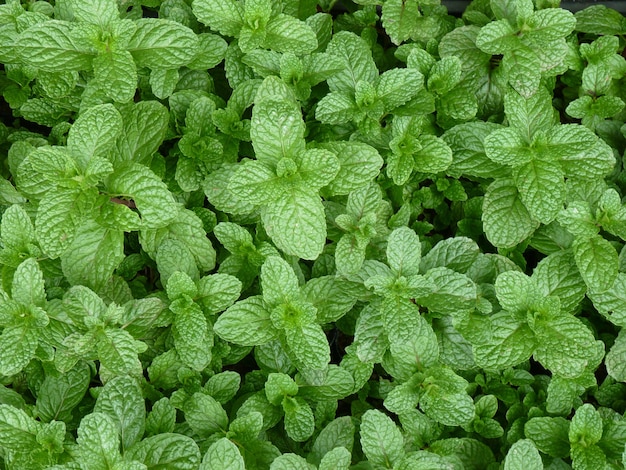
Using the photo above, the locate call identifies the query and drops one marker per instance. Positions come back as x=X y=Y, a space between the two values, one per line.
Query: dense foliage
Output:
x=290 y=234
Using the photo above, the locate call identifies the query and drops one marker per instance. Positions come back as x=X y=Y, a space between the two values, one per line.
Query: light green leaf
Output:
x=60 y=394
x=612 y=302
x=551 y=23
x=163 y=82
x=317 y=168
x=497 y=37
x=597 y=261
x=186 y=228
x=565 y=345
x=309 y=346
x=404 y=251
x=338 y=433
x=16 y=230
x=56 y=221
x=205 y=415
x=616 y=358
x=523 y=68
x=166 y=451
x=98 y=442
x=599 y=19
x=191 y=334
x=279 y=282
x=450 y=292
x=211 y=51
x=217 y=292
x=223 y=16
x=558 y=275
x=594 y=162
x=434 y=156
x=116 y=75
x=161 y=43
x=287 y=34
x=332 y=296
x=93 y=255
x=369 y=336
x=523 y=455
x=28 y=284
x=299 y=419
x=359 y=164
x=94 y=133
x=586 y=427
x=336 y=108
x=529 y=115
x=550 y=435
x=246 y=323
x=18 y=344
x=290 y=461
x=151 y=196
x=506 y=220
x=222 y=454
x=122 y=401
x=51 y=46
x=296 y=224
x=18 y=431
x=510 y=343
x=144 y=127
x=516 y=292
x=277 y=130
x=395 y=87
x=337 y=459
x=508 y=147
x=381 y=439
x=254 y=183
x=223 y=386
x=118 y=350
x=457 y=253
x=337 y=385
x=400 y=19
x=357 y=57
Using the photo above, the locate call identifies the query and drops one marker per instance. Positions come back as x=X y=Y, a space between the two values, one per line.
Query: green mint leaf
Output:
x=359 y=164
x=55 y=225
x=614 y=360
x=247 y=323
x=187 y=229
x=277 y=130
x=523 y=68
x=299 y=419
x=18 y=431
x=59 y=395
x=586 y=426
x=317 y=167
x=296 y=224
x=397 y=86
x=404 y=251
x=611 y=303
x=381 y=439
x=191 y=334
x=222 y=454
x=369 y=336
x=205 y=415
x=511 y=343
x=162 y=418
x=336 y=108
x=309 y=346
x=599 y=19
x=117 y=351
x=225 y=17
x=51 y=46
x=550 y=435
x=400 y=19
x=507 y=222
x=167 y=450
x=597 y=261
x=116 y=75
x=280 y=284
x=516 y=292
x=337 y=385
x=159 y=43
x=163 y=82
x=287 y=34
x=357 y=59
x=122 y=401
x=507 y=147
x=100 y=12
x=523 y=455
x=337 y=459
x=98 y=442
x=144 y=127
x=336 y=434
x=497 y=37
x=331 y=296
x=565 y=345
x=149 y=193
x=94 y=133
x=28 y=284
x=458 y=254
x=289 y=461
x=217 y=292
x=558 y=275
x=93 y=255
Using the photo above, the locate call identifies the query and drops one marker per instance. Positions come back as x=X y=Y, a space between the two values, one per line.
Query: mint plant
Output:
x=261 y=234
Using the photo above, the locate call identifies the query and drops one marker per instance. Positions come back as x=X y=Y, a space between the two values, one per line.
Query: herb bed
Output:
x=325 y=235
